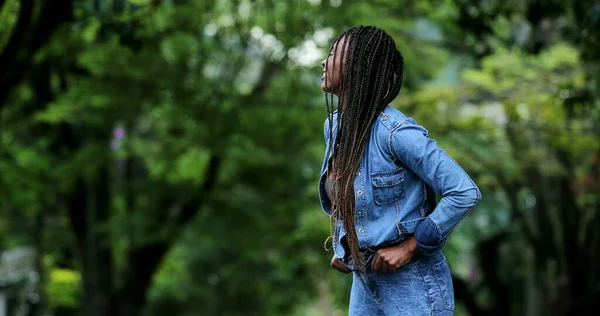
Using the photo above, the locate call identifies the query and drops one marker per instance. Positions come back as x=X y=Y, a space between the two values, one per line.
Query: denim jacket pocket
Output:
x=388 y=186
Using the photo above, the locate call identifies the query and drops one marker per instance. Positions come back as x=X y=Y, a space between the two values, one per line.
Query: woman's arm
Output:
x=412 y=146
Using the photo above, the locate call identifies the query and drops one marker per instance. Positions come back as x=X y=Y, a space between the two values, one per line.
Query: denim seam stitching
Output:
x=422 y=209
x=437 y=229
x=390 y=139
x=461 y=218
x=373 y=293
x=397 y=221
x=424 y=281
x=437 y=280
x=474 y=187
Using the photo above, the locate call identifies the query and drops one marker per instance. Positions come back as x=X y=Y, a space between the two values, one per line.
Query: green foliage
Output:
x=531 y=93
x=64 y=289
x=8 y=19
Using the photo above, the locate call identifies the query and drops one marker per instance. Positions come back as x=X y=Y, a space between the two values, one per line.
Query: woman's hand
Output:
x=337 y=264
x=391 y=258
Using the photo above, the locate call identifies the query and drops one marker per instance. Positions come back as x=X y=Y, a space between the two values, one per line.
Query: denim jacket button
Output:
x=361 y=230
x=359 y=192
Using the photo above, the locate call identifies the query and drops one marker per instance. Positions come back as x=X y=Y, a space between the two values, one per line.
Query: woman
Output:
x=379 y=181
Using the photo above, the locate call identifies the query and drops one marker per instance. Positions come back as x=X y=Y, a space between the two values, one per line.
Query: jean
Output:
x=421 y=287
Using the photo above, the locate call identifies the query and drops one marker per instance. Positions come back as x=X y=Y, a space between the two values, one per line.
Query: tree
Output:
x=179 y=110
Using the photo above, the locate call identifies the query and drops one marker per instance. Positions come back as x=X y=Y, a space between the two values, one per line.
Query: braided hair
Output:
x=370 y=78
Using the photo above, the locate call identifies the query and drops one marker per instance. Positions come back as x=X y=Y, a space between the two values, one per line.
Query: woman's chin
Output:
x=327 y=89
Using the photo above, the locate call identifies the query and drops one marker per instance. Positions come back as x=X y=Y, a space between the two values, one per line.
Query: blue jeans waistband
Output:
x=367 y=253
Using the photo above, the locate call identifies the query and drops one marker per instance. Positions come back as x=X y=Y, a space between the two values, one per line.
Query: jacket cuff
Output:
x=429 y=237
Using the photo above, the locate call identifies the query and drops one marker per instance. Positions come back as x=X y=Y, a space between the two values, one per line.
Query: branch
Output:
x=28 y=38
x=191 y=207
x=76 y=205
x=141 y=266
x=16 y=39
x=143 y=261
x=268 y=73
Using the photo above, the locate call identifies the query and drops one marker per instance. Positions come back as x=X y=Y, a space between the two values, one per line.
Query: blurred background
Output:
x=161 y=157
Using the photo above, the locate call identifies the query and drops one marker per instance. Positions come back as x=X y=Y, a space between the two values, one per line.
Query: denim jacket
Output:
x=396 y=185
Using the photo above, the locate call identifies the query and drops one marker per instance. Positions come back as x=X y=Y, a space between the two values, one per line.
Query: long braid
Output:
x=370 y=98
x=332 y=142
x=371 y=77
x=354 y=154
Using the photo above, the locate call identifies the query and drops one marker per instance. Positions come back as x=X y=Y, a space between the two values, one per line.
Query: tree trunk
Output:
x=30 y=34
x=97 y=254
